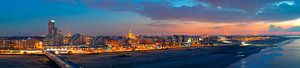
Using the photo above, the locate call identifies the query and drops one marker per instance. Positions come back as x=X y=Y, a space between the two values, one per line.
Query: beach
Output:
x=193 y=57
x=26 y=61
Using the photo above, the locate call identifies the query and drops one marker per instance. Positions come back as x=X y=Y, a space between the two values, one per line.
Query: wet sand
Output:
x=26 y=61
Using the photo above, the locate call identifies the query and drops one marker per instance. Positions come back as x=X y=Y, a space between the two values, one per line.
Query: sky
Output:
x=150 y=17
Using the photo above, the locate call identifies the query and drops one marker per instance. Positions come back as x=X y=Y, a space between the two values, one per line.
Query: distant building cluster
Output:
x=32 y=43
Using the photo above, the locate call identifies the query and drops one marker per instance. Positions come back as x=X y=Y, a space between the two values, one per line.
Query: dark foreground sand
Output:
x=192 y=57
x=25 y=61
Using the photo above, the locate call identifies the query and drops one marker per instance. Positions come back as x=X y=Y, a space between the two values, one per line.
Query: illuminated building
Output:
x=131 y=39
x=99 y=41
x=54 y=36
x=146 y=40
x=196 y=40
x=51 y=27
x=130 y=35
x=3 y=42
x=78 y=39
x=114 y=43
x=179 y=38
x=24 y=43
x=67 y=39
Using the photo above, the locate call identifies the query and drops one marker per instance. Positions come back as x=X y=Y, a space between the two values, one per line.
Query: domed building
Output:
x=132 y=39
x=130 y=35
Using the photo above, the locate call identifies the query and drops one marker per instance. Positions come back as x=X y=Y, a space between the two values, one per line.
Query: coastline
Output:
x=220 y=56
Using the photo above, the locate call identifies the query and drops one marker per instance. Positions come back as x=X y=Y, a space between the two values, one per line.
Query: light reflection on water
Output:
x=283 y=56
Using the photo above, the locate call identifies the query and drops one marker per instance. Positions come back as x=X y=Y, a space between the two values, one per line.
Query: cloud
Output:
x=284 y=3
x=205 y=10
x=294 y=29
x=279 y=11
x=159 y=23
x=273 y=28
x=218 y=27
x=185 y=3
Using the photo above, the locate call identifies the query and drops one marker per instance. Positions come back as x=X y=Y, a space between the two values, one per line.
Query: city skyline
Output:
x=149 y=33
x=191 y=17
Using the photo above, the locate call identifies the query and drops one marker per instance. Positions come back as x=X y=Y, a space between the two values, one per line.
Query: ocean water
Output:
x=286 y=55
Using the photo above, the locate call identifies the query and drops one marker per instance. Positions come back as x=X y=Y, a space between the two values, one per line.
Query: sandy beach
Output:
x=192 y=57
x=26 y=61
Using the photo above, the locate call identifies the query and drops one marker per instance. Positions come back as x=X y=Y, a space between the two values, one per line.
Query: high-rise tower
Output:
x=51 y=27
x=54 y=36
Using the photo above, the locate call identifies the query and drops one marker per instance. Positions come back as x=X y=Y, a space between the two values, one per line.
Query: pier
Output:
x=62 y=62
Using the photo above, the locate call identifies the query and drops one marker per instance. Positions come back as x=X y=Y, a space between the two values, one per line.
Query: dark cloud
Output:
x=206 y=10
x=273 y=28
x=218 y=27
x=160 y=24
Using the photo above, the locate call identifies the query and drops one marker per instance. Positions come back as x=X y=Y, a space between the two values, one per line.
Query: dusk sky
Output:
x=113 y=17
